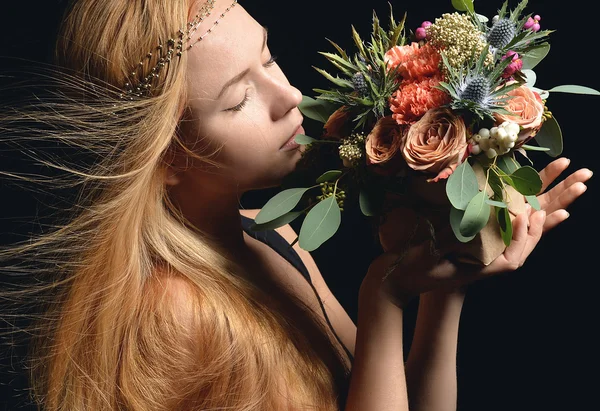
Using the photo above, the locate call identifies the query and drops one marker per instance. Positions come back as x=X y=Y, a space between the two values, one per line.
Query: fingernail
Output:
x=568 y=215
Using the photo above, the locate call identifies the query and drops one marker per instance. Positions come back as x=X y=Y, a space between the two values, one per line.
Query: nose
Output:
x=285 y=97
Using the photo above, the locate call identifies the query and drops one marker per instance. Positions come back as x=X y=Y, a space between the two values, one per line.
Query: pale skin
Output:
x=252 y=159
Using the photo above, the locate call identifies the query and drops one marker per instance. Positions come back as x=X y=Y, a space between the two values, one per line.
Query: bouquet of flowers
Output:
x=429 y=122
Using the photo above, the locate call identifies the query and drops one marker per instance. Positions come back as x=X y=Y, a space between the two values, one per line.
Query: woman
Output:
x=157 y=296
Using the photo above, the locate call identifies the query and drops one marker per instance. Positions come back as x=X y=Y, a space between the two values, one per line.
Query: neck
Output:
x=216 y=214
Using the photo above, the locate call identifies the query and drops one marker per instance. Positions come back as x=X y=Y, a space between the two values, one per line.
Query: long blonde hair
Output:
x=133 y=308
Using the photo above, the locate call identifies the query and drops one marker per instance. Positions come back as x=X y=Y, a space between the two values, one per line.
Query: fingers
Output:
x=536 y=228
x=566 y=191
x=552 y=171
x=524 y=240
x=554 y=219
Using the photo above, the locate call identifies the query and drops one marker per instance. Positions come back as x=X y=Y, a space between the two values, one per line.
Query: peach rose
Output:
x=383 y=142
x=436 y=144
x=338 y=125
x=528 y=108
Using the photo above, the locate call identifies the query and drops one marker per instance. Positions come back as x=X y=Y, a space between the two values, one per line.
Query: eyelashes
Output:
x=240 y=106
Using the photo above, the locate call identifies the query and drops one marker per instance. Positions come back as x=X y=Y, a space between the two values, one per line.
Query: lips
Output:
x=290 y=144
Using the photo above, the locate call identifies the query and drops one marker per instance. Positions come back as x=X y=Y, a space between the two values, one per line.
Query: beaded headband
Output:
x=143 y=87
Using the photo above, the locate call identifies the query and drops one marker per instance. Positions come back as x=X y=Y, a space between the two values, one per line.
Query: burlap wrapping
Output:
x=425 y=207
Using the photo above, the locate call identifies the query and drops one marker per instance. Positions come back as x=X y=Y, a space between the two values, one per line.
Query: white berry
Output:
x=513 y=128
x=484 y=143
x=502 y=134
x=484 y=132
x=491 y=153
x=475 y=149
x=476 y=138
x=494 y=131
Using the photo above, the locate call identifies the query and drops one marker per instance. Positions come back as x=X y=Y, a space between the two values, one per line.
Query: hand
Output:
x=555 y=201
x=420 y=269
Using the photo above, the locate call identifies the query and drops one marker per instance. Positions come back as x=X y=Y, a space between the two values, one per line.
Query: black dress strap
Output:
x=274 y=240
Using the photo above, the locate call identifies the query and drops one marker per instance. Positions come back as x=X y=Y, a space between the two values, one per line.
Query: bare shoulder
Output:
x=341 y=321
x=288 y=233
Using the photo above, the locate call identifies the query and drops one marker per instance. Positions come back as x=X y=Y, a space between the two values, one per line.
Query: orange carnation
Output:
x=414 y=98
x=414 y=62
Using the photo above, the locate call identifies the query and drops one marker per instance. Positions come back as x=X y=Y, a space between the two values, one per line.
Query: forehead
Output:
x=225 y=51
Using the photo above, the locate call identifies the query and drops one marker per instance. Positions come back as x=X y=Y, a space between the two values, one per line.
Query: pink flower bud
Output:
x=512 y=54
x=421 y=34
x=426 y=24
x=529 y=24
x=536 y=27
x=537 y=17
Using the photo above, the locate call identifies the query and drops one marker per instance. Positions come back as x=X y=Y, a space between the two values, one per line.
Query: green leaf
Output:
x=482 y=18
x=280 y=204
x=278 y=222
x=304 y=140
x=534 y=148
x=505 y=223
x=456 y=217
x=550 y=136
x=371 y=200
x=476 y=215
x=570 y=88
x=535 y=55
x=329 y=175
x=507 y=164
x=531 y=77
x=316 y=109
x=544 y=94
x=500 y=204
x=526 y=181
x=462 y=186
x=463 y=5
x=534 y=202
x=320 y=224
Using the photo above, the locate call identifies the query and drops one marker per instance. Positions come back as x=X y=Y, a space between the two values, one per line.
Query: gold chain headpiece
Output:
x=143 y=87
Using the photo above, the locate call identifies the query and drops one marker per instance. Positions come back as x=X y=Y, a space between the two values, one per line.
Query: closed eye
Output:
x=242 y=104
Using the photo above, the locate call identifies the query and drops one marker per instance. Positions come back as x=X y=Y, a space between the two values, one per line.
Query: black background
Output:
x=528 y=339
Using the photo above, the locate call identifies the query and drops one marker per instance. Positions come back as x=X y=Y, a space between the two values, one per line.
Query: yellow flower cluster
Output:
x=352 y=148
x=459 y=38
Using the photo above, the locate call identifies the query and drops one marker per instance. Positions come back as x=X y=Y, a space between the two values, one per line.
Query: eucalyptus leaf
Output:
x=371 y=200
x=329 y=176
x=534 y=202
x=550 y=136
x=534 y=148
x=570 y=88
x=526 y=180
x=303 y=139
x=476 y=215
x=317 y=109
x=280 y=204
x=456 y=217
x=507 y=163
x=506 y=229
x=463 y=5
x=530 y=76
x=482 y=18
x=544 y=94
x=500 y=204
x=278 y=222
x=535 y=55
x=462 y=186
x=320 y=224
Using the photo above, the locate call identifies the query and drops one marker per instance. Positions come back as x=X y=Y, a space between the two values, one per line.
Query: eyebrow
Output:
x=245 y=72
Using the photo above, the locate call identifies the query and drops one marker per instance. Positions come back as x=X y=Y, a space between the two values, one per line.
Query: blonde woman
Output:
x=155 y=294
